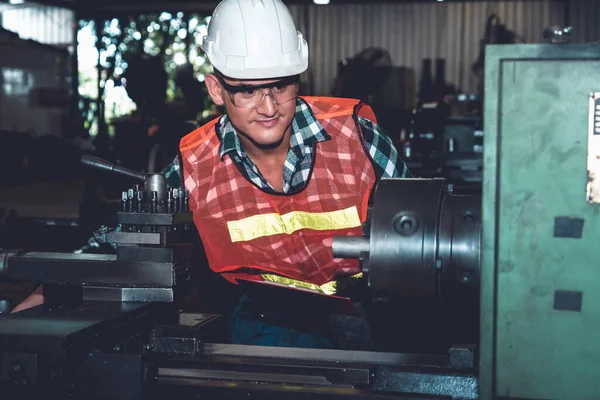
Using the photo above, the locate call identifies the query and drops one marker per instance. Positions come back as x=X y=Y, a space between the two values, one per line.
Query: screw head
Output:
x=406 y=224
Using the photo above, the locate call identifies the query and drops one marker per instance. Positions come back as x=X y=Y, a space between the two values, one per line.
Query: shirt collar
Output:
x=306 y=130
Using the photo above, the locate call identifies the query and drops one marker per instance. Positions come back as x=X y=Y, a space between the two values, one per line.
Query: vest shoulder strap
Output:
x=198 y=136
x=338 y=107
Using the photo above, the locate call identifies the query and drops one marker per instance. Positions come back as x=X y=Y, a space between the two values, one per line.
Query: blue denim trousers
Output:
x=246 y=326
x=249 y=325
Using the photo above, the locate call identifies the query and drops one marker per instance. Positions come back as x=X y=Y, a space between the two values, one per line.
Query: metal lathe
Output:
x=512 y=273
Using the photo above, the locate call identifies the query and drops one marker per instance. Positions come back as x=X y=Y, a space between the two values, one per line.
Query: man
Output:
x=277 y=176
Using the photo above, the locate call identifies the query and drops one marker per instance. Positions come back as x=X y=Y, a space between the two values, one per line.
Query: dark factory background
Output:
x=122 y=80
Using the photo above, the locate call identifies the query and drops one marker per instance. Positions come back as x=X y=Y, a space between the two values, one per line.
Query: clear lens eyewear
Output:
x=252 y=96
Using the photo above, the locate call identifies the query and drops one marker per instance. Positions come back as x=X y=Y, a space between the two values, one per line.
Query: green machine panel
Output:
x=540 y=314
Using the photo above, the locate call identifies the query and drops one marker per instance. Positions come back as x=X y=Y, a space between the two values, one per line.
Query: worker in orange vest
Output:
x=275 y=178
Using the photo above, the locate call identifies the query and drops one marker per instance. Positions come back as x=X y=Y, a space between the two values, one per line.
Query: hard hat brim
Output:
x=261 y=73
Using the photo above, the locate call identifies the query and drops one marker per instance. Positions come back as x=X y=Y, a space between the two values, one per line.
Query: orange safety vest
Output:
x=248 y=233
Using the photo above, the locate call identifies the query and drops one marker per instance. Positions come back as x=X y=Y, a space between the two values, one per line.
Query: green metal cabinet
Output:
x=540 y=297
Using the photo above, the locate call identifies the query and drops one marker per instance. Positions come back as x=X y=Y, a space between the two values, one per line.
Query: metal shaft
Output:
x=350 y=246
x=99 y=163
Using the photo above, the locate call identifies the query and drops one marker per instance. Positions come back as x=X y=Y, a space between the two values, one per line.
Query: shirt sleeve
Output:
x=172 y=173
x=174 y=180
x=388 y=163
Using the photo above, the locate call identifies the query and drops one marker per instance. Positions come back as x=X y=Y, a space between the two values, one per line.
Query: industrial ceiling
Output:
x=92 y=6
x=110 y=8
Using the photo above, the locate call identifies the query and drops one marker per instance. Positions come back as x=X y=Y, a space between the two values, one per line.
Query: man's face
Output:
x=260 y=110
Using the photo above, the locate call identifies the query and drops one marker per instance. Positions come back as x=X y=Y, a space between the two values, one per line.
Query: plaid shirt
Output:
x=306 y=131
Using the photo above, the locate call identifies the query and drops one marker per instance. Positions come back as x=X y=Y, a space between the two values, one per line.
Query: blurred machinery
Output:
x=439 y=136
x=445 y=139
x=34 y=86
x=526 y=249
x=371 y=77
x=444 y=136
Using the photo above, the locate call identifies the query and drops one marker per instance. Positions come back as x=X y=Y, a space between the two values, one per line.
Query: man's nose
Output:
x=268 y=107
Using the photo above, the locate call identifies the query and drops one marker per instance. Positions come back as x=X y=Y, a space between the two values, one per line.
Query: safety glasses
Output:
x=252 y=96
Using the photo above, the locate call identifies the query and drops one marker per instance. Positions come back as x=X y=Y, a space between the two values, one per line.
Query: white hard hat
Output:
x=255 y=39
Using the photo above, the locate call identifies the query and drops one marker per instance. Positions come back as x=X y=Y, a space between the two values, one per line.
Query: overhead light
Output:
x=16 y=1
x=321 y=2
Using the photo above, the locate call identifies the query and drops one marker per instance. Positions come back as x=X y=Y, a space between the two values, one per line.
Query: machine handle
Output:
x=99 y=163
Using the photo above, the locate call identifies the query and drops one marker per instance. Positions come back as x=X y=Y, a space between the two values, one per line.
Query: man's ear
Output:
x=215 y=90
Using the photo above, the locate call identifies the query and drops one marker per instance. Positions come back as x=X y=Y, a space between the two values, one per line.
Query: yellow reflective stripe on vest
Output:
x=328 y=288
x=263 y=225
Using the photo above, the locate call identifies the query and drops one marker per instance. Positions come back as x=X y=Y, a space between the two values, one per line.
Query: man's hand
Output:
x=36 y=299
